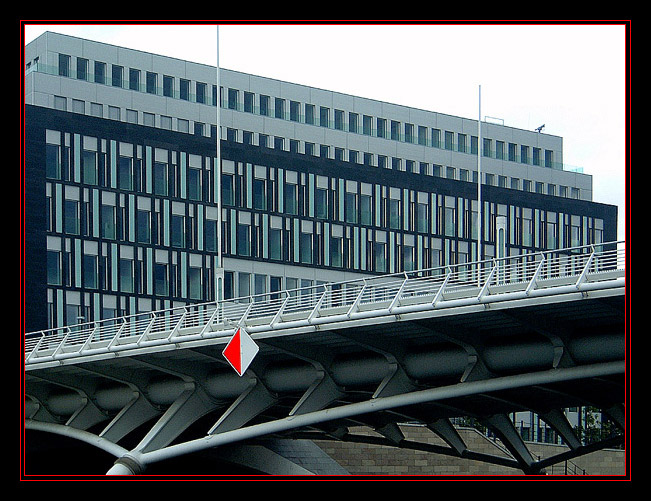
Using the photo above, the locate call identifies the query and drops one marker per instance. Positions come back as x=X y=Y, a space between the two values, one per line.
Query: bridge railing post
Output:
x=279 y=313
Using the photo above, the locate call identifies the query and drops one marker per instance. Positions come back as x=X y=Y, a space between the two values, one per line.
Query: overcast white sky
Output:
x=571 y=78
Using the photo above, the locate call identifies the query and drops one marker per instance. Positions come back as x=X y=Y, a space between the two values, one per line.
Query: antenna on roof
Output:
x=539 y=129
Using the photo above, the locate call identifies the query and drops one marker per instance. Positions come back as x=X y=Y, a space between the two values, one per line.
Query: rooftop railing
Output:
x=577 y=269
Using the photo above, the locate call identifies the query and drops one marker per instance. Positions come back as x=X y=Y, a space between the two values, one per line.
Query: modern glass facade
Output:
x=122 y=197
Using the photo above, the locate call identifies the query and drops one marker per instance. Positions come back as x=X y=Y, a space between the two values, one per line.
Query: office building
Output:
x=121 y=194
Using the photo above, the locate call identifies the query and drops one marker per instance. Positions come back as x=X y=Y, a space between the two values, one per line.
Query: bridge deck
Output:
x=539 y=332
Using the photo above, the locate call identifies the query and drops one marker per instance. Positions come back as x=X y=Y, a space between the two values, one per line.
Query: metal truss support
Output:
x=444 y=429
x=256 y=399
x=396 y=381
x=387 y=403
x=137 y=412
x=87 y=413
x=557 y=420
x=323 y=390
x=192 y=404
x=505 y=429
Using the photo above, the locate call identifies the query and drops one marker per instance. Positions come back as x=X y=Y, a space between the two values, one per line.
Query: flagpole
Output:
x=479 y=203
x=218 y=195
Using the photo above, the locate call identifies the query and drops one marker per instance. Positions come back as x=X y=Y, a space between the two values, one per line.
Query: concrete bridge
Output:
x=540 y=332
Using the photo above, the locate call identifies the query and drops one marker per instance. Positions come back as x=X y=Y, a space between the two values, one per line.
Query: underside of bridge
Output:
x=155 y=411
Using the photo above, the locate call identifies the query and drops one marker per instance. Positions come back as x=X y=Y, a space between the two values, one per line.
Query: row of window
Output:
x=185 y=176
x=409 y=224
x=67 y=306
x=295 y=111
x=91 y=265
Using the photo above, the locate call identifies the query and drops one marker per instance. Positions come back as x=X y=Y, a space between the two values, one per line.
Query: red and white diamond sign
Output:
x=240 y=351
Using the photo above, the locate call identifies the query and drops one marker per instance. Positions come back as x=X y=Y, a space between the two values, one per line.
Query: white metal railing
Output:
x=503 y=279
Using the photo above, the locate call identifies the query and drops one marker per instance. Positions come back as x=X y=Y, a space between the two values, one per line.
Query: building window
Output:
x=309 y=114
x=294 y=111
x=461 y=145
x=107 y=215
x=244 y=284
x=90 y=271
x=168 y=86
x=260 y=285
x=549 y=158
x=409 y=133
x=449 y=140
x=143 y=223
x=71 y=217
x=100 y=72
x=89 y=167
x=52 y=161
x=499 y=150
x=436 y=138
x=210 y=235
x=336 y=251
x=134 y=79
x=306 y=248
x=381 y=125
x=194 y=282
x=194 y=184
x=324 y=116
x=536 y=156
x=339 y=120
x=53 y=267
x=243 y=240
x=395 y=130
x=125 y=173
x=228 y=189
x=365 y=210
x=512 y=153
x=259 y=194
x=184 y=90
x=232 y=99
x=367 y=126
x=407 y=257
x=279 y=108
x=126 y=275
x=82 y=68
x=393 y=213
x=321 y=203
x=291 y=199
x=248 y=102
x=379 y=257
x=350 y=204
x=161 y=182
x=487 y=148
x=353 y=125
x=64 y=65
x=178 y=231
x=422 y=135
x=151 y=82
x=275 y=244
x=200 y=89
x=422 y=219
x=264 y=106
x=161 y=283
x=117 y=75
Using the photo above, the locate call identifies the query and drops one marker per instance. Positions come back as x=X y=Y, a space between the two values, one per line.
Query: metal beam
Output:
x=383 y=403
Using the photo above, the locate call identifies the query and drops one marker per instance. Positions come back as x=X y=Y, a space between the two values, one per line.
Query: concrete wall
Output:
x=362 y=459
